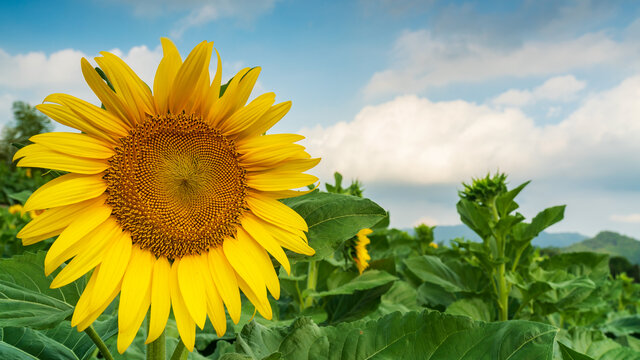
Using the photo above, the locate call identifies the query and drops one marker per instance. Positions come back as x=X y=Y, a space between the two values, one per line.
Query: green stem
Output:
x=93 y=335
x=177 y=353
x=156 y=350
x=312 y=282
x=503 y=287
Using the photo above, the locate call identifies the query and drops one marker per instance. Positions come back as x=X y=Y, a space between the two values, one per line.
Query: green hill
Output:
x=611 y=243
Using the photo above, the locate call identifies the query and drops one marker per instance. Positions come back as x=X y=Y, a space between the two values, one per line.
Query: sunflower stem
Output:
x=179 y=351
x=312 y=282
x=93 y=335
x=156 y=350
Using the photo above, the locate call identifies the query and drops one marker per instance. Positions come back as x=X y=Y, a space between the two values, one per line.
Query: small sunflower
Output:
x=361 y=256
x=171 y=195
x=15 y=209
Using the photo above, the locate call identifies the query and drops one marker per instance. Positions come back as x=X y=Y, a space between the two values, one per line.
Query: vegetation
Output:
x=608 y=242
x=496 y=299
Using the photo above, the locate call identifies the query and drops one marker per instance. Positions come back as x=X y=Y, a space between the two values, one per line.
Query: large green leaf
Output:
x=414 y=335
x=453 y=276
x=570 y=354
x=61 y=342
x=475 y=308
x=367 y=280
x=334 y=218
x=476 y=217
x=356 y=305
x=25 y=296
x=621 y=326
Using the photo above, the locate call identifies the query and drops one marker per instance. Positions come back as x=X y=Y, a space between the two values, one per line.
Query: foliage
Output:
x=417 y=300
x=609 y=242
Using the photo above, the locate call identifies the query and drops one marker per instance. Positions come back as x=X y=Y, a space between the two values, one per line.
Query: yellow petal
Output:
x=114 y=263
x=56 y=219
x=127 y=334
x=289 y=240
x=185 y=84
x=299 y=165
x=268 y=158
x=274 y=211
x=136 y=282
x=213 y=93
x=67 y=117
x=166 y=73
x=192 y=289
x=261 y=303
x=36 y=239
x=39 y=156
x=184 y=322
x=279 y=181
x=69 y=243
x=160 y=298
x=247 y=115
x=93 y=115
x=91 y=317
x=129 y=88
x=225 y=281
x=84 y=304
x=266 y=122
x=283 y=194
x=241 y=252
x=254 y=227
x=257 y=143
x=107 y=96
x=215 y=308
x=91 y=255
x=74 y=144
x=241 y=94
x=225 y=106
x=65 y=190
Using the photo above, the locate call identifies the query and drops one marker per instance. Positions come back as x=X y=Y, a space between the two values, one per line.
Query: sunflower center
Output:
x=175 y=184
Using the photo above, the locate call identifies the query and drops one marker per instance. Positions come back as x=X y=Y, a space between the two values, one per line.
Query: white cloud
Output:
x=629 y=218
x=414 y=140
x=557 y=89
x=211 y=11
x=421 y=60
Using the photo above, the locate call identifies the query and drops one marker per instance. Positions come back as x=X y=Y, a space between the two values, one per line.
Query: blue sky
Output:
x=410 y=97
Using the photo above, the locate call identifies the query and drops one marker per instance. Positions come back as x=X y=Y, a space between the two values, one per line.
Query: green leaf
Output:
x=540 y=222
x=32 y=342
x=431 y=269
x=626 y=325
x=570 y=354
x=25 y=296
x=505 y=203
x=354 y=306
x=476 y=217
x=414 y=335
x=368 y=279
x=21 y=196
x=595 y=344
x=333 y=219
x=475 y=308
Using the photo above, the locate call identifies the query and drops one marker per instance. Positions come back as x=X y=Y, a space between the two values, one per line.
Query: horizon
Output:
x=411 y=98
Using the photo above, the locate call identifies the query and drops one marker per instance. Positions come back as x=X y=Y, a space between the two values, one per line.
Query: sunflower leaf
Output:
x=413 y=335
x=25 y=296
x=333 y=219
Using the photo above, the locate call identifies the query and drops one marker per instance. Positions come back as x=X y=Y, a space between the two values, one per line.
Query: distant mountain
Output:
x=611 y=243
x=448 y=232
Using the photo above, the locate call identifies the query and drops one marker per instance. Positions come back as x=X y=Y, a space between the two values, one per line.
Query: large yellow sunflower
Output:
x=171 y=196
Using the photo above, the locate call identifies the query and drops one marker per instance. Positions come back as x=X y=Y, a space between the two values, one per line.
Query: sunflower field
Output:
x=173 y=226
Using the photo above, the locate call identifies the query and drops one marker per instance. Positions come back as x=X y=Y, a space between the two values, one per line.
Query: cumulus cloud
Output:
x=557 y=89
x=32 y=76
x=422 y=60
x=629 y=218
x=414 y=140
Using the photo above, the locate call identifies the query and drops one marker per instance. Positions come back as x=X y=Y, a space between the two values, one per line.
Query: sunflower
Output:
x=361 y=256
x=171 y=195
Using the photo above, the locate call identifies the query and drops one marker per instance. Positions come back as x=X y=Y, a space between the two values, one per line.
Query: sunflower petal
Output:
x=266 y=122
x=127 y=334
x=160 y=298
x=215 y=308
x=65 y=190
x=241 y=252
x=107 y=96
x=274 y=211
x=39 y=156
x=191 y=286
x=67 y=117
x=247 y=115
x=226 y=104
x=91 y=254
x=188 y=77
x=289 y=240
x=166 y=73
x=56 y=219
x=257 y=143
x=113 y=266
x=279 y=181
x=254 y=227
x=136 y=281
x=91 y=317
x=261 y=304
x=226 y=283
x=69 y=242
x=186 y=325
x=74 y=144
x=213 y=93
